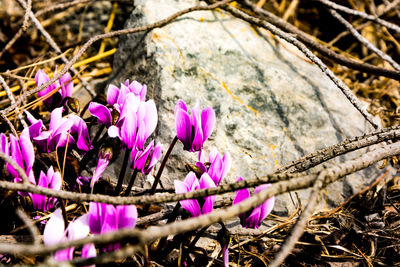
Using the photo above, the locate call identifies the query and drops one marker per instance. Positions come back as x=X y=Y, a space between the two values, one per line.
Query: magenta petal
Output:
x=241 y=194
x=79 y=228
x=112 y=94
x=143 y=93
x=122 y=95
x=95 y=217
x=253 y=220
x=84 y=143
x=197 y=143
x=140 y=137
x=183 y=128
x=67 y=85
x=141 y=157
x=181 y=105
x=16 y=155
x=64 y=255
x=56 y=119
x=54 y=229
x=110 y=221
x=207 y=182
x=102 y=113
x=88 y=251
x=201 y=166
x=191 y=205
x=55 y=179
x=226 y=164
x=268 y=205
x=128 y=130
x=150 y=120
x=191 y=181
x=28 y=153
x=155 y=156
x=4 y=144
x=207 y=122
x=101 y=167
x=127 y=216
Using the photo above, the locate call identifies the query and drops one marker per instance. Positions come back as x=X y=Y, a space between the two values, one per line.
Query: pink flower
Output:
x=64 y=83
x=218 y=166
x=21 y=151
x=50 y=180
x=195 y=129
x=104 y=159
x=105 y=218
x=61 y=129
x=137 y=119
x=145 y=160
x=254 y=218
x=194 y=206
x=55 y=232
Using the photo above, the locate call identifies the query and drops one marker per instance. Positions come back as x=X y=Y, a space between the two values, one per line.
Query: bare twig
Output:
x=291 y=39
x=16 y=167
x=313 y=159
x=305 y=38
x=12 y=100
x=141 y=237
x=31 y=226
x=96 y=38
x=12 y=128
x=364 y=41
x=360 y=14
x=53 y=44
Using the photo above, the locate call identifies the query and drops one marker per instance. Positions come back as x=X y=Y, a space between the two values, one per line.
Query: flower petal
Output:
x=88 y=251
x=181 y=105
x=127 y=216
x=67 y=85
x=207 y=182
x=241 y=194
x=268 y=205
x=150 y=120
x=191 y=205
x=183 y=128
x=54 y=229
x=28 y=153
x=207 y=122
x=102 y=113
x=112 y=94
x=79 y=228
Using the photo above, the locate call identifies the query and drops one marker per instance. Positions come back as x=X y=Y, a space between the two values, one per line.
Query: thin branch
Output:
x=291 y=39
x=31 y=226
x=96 y=38
x=360 y=14
x=305 y=38
x=53 y=44
x=298 y=228
x=12 y=128
x=141 y=237
x=16 y=167
x=12 y=100
x=341 y=148
x=364 y=41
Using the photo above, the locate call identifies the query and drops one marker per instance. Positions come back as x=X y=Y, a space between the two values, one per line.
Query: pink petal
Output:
x=4 y=144
x=88 y=251
x=112 y=94
x=191 y=205
x=226 y=164
x=181 y=105
x=110 y=220
x=28 y=153
x=95 y=217
x=54 y=229
x=102 y=113
x=127 y=216
x=141 y=157
x=207 y=182
x=150 y=120
x=128 y=130
x=183 y=128
x=207 y=122
x=241 y=194
x=253 y=220
x=268 y=205
x=191 y=181
x=79 y=228
x=67 y=85
x=155 y=156
x=140 y=137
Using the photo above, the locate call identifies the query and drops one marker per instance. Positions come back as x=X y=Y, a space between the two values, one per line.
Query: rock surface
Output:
x=272 y=105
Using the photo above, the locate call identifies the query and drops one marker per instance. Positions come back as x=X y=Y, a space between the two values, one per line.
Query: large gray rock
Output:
x=272 y=105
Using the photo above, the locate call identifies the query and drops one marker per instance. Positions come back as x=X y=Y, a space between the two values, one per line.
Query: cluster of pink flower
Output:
x=132 y=120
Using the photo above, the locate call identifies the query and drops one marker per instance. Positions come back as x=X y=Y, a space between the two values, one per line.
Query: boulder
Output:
x=272 y=105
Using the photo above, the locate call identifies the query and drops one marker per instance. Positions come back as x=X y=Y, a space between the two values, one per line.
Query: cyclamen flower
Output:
x=104 y=159
x=21 y=151
x=64 y=83
x=136 y=120
x=61 y=129
x=254 y=218
x=194 y=206
x=195 y=129
x=145 y=160
x=54 y=232
x=105 y=218
x=218 y=167
x=50 y=180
